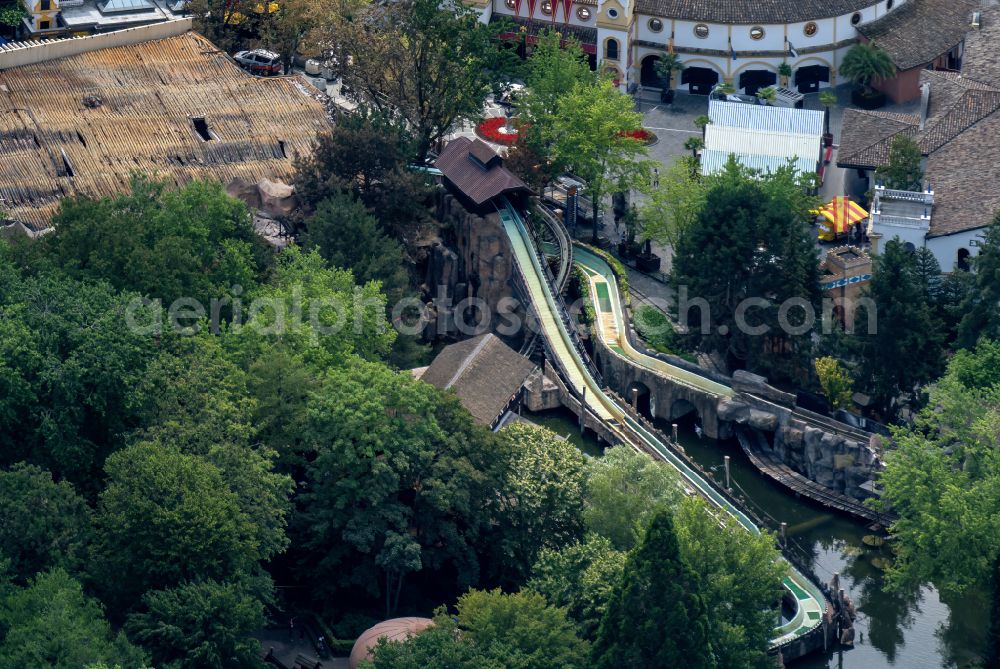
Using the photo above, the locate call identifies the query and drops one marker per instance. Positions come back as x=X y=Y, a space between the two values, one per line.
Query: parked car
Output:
x=259 y=61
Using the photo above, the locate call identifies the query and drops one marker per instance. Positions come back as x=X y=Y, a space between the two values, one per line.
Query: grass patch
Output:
x=658 y=332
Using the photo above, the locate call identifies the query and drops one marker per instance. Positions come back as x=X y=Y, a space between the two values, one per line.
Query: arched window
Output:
x=611 y=49
x=963 y=260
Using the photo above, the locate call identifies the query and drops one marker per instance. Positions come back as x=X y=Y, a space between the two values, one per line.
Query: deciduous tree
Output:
x=834 y=381
x=192 y=242
x=200 y=624
x=624 y=490
x=52 y=623
x=166 y=518
x=45 y=524
x=541 y=497
x=368 y=155
x=580 y=577
x=68 y=361
x=741 y=579
x=533 y=634
x=590 y=138
x=941 y=479
x=428 y=63
x=555 y=66
x=399 y=478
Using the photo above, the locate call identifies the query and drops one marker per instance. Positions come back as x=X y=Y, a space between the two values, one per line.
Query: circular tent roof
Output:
x=395 y=629
x=750 y=11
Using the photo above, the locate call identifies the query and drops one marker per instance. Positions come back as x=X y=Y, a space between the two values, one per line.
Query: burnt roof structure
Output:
x=920 y=30
x=484 y=372
x=476 y=172
x=177 y=109
x=960 y=135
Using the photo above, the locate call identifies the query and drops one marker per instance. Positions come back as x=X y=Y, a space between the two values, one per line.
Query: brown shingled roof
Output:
x=867 y=135
x=981 y=55
x=462 y=163
x=961 y=139
x=483 y=371
x=750 y=11
x=148 y=95
x=920 y=30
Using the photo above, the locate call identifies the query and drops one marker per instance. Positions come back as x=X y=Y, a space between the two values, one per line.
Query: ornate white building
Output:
x=737 y=41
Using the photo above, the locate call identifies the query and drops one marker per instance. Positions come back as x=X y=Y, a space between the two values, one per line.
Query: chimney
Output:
x=925 y=98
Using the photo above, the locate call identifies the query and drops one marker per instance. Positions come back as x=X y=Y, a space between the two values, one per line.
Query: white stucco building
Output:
x=738 y=41
x=957 y=130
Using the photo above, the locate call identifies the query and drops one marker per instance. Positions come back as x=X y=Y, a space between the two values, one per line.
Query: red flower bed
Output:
x=491 y=129
x=641 y=134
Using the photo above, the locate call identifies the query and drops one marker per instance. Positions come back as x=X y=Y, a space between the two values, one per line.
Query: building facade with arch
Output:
x=742 y=42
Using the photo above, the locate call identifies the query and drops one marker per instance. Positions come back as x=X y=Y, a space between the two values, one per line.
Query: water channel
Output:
x=909 y=631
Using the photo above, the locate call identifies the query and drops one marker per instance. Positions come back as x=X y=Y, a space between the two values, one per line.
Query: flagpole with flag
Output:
x=732 y=51
x=791 y=49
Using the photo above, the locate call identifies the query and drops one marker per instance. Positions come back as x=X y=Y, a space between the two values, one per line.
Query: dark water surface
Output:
x=908 y=631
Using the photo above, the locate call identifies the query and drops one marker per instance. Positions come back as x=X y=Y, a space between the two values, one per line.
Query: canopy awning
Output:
x=841 y=213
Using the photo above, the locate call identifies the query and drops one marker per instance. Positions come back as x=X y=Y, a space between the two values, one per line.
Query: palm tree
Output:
x=725 y=88
x=693 y=144
x=701 y=122
x=865 y=62
x=767 y=94
x=784 y=71
x=829 y=100
x=667 y=65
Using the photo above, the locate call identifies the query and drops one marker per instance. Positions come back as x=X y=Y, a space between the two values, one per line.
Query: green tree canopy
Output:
x=981 y=318
x=941 y=479
x=315 y=312
x=431 y=63
x=439 y=646
x=68 y=360
x=347 y=236
x=522 y=629
x=202 y=624
x=659 y=592
x=193 y=242
x=904 y=170
x=750 y=241
x=367 y=155
x=905 y=348
x=590 y=138
x=52 y=623
x=542 y=496
x=165 y=518
x=741 y=578
x=672 y=208
x=399 y=480
x=45 y=524
x=865 y=62
x=580 y=577
x=835 y=382
x=556 y=65
x=625 y=489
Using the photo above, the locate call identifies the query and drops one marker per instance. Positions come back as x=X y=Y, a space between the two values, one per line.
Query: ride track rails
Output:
x=581 y=381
